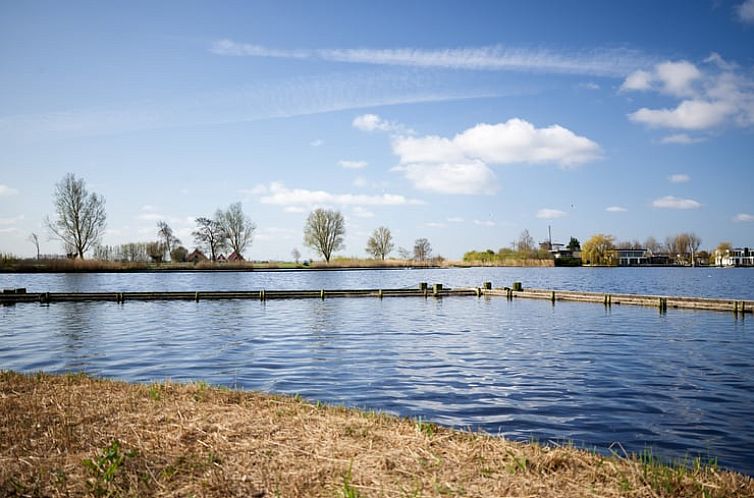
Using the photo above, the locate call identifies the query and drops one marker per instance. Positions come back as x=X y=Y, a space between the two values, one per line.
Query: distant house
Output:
x=564 y=256
x=739 y=256
x=196 y=256
x=235 y=257
x=221 y=259
x=632 y=257
x=658 y=258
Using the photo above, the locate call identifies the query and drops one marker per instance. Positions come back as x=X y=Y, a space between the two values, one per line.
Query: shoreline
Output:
x=75 y=435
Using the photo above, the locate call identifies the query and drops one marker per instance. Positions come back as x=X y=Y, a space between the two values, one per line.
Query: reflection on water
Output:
x=705 y=282
x=682 y=382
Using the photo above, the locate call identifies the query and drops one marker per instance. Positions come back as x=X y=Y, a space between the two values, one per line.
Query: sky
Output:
x=461 y=122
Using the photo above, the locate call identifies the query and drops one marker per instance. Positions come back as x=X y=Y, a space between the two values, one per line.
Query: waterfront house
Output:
x=739 y=256
x=221 y=258
x=235 y=257
x=632 y=257
x=196 y=256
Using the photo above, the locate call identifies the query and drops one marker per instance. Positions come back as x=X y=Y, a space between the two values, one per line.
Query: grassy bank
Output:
x=72 y=435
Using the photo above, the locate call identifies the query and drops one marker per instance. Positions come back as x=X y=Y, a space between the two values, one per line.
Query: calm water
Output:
x=705 y=282
x=682 y=382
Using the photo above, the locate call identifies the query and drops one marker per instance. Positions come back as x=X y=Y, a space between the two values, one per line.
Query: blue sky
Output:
x=461 y=122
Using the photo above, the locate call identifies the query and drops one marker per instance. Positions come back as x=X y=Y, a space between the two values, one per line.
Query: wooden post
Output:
x=517 y=286
x=322 y=294
x=552 y=297
x=423 y=286
x=436 y=289
x=196 y=296
x=379 y=293
x=261 y=295
x=487 y=286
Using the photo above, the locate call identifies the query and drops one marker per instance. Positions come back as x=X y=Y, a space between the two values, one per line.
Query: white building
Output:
x=739 y=256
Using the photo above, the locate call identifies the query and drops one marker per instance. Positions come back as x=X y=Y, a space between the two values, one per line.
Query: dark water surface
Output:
x=682 y=382
x=703 y=282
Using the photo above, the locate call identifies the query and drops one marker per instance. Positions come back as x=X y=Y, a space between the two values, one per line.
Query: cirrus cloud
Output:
x=616 y=209
x=352 y=164
x=744 y=217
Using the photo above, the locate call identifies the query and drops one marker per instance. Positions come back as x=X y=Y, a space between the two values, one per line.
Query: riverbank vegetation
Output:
x=72 y=435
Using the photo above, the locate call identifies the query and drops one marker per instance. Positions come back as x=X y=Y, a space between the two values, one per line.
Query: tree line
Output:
x=80 y=220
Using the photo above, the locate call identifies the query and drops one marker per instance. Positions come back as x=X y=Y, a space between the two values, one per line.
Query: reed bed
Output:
x=73 y=435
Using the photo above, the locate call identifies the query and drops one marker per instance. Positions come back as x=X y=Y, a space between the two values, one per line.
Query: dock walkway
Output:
x=663 y=303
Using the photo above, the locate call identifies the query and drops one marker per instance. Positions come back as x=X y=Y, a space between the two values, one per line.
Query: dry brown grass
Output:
x=192 y=440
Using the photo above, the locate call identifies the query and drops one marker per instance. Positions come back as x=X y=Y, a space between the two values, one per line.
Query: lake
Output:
x=700 y=282
x=681 y=382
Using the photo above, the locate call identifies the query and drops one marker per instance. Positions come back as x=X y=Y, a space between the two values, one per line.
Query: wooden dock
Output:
x=662 y=303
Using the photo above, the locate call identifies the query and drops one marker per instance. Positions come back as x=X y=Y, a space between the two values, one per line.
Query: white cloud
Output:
x=680 y=138
x=360 y=182
x=744 y=217
x=514 y=141
x=316 y=143
x=616 y=209
x=677 y=78
x=449 y=178
x=688 y=115
x=373 y=122
x=361 y=212
x=670 y=202
x=679 y=178
x=6 y=190
x=638 y=81
x=279 y=195
x=11 y=221
x=9 y=230
x=460 y=165
x=550 y=214
x=455 y=219
x=708 y=96
x=484 y=223
x=434 y=224
x=745 y=11
x=596 y=62
x=352 y=164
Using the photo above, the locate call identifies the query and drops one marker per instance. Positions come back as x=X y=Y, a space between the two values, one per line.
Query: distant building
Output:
x=739 y=256
x=658 y=258
x=632 y=257
x=235 y=257
x=221 y=259
x=196 y=256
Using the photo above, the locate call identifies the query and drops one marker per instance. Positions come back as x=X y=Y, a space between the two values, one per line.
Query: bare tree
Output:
x=80 y=217
x=295 y=254
x=209 y=233
x=380 y=244
x=404 y=253
x=422 y=250
x=237 y=226
x=694 y=242
x=324 y=231
x=168 y=239
x=34 y=239
x=652 y=245
x=525 y=243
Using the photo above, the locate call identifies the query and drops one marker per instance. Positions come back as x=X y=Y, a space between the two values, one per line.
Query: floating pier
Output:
x=662 y=303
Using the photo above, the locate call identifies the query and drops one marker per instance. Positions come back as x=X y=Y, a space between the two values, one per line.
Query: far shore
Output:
x=346 y=264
